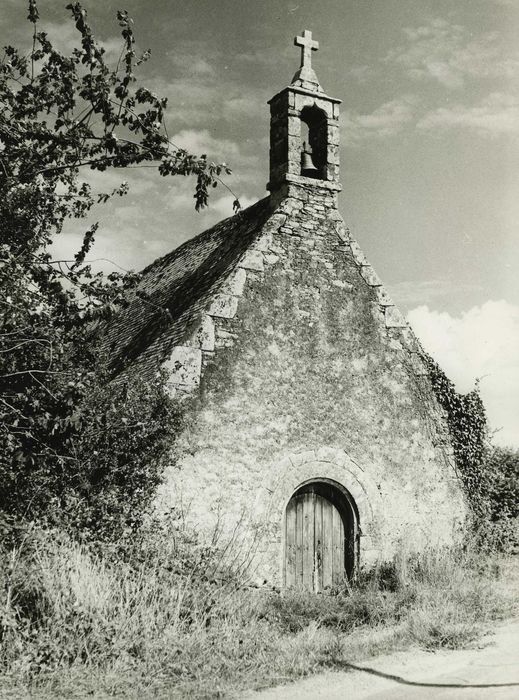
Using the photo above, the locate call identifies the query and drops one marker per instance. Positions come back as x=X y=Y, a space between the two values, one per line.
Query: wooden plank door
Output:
x=314 y=543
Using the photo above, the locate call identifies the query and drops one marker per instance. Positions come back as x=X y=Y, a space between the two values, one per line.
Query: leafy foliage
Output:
x=502 y=465
x=59 y=115
x=107 y=462
x=490 y=474
x=501 y=468
x=468 y=429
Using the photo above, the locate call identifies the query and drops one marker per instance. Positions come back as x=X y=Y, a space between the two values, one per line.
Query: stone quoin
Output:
x=312 y=441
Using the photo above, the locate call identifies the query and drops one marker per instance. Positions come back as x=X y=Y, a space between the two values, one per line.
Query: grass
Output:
x=157 y=621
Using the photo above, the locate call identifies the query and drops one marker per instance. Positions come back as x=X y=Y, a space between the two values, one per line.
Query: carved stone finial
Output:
x=306 y=74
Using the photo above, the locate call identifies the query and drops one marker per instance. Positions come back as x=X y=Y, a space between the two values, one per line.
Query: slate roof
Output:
x=179 y=286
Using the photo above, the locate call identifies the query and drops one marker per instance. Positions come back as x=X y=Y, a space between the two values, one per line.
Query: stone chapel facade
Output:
x=313 y=439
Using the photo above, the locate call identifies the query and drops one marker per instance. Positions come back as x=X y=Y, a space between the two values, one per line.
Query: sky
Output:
x=429 y=149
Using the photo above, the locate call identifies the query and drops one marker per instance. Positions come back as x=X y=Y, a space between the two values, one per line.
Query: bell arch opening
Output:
x=320 y=537
x=314 y=142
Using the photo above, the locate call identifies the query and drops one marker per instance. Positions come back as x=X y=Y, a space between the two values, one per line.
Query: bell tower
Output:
x=304 y=130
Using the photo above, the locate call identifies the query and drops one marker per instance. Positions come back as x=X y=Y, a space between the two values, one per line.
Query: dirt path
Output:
x=490 y=672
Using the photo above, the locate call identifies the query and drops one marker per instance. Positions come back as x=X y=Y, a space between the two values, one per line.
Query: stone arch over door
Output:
x=294 y=470
x=320 y=537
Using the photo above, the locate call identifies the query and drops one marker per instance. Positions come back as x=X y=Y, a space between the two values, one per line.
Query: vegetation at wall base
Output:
x=169 y=616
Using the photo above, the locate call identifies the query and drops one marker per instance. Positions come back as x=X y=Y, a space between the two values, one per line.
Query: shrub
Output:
x=502 y=470
x=498 y=528
x=490 y=474
x=118 y=442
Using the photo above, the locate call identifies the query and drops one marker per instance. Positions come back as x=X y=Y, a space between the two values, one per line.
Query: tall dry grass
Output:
x=156 y=616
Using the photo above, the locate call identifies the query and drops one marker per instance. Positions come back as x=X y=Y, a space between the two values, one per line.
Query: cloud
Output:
x=202 y=141
x=203 y=83
x=362 y=73
x=242 y=107
x=496 y=114
x=386 y=120
x=481 y=343
x=243 y=158
x=192 y=64
x=412 y=292
x=264 y=55
x=447 y=54
x=194 y=101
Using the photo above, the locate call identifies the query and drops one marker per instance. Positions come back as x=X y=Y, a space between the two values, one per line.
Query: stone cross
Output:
x=306 y=74
x=307 y=46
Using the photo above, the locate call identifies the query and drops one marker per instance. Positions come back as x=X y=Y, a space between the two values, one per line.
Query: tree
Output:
x=60 y=115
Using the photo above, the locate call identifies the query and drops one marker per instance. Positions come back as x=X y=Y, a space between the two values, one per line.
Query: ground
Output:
x=489 y=671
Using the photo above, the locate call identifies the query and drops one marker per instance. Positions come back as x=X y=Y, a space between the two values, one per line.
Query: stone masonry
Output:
x=311 y=372
x=294 y=365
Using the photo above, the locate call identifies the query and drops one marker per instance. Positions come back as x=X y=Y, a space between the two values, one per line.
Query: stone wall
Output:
x=303 y=368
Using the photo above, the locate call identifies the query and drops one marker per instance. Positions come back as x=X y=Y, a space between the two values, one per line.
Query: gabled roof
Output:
x=179 y=287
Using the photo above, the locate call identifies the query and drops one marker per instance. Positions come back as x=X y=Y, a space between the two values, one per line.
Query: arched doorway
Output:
x=321 y=526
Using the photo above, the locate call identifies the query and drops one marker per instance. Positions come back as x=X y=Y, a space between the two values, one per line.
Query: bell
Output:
x=308 y=168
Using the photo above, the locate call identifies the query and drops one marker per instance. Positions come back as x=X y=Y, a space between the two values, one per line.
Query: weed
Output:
x=165 y=611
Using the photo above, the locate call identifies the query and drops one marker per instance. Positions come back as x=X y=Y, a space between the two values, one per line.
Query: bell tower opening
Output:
x=314 y=145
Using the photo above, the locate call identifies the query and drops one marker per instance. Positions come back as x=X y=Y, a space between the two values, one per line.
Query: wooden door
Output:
x=314 y=543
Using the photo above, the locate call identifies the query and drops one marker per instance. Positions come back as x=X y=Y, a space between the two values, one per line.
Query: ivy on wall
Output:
x=490 y=474
x=468 y=430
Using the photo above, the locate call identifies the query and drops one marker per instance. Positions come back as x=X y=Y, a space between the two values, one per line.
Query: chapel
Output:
x=313 y=445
